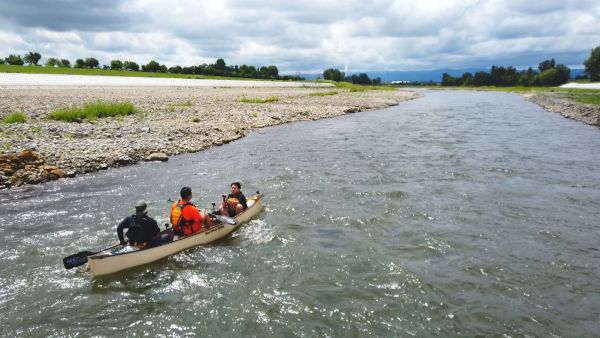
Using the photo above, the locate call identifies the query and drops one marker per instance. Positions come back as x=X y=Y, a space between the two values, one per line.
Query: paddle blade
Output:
x=226 y=219
x=77 y=259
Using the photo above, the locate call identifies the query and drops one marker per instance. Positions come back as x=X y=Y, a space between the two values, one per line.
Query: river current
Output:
x=456 y=214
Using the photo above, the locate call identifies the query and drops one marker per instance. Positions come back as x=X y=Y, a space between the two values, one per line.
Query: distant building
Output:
x=400 y=82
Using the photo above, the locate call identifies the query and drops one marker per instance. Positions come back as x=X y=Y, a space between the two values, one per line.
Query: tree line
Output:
x=362 y=78
x=219 y=68
x=548 y=74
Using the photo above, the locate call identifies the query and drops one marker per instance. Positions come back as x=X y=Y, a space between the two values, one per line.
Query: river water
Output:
x=457 y=214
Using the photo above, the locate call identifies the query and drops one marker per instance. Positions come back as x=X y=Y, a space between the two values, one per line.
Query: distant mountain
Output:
x=420 y=75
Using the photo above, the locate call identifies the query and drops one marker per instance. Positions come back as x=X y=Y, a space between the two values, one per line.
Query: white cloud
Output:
x=307 y=36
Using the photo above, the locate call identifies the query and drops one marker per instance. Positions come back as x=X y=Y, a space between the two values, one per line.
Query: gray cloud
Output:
x=67 y=15
x=307 y=36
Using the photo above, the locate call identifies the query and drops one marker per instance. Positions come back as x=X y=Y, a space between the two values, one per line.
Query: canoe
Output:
x=122 y=257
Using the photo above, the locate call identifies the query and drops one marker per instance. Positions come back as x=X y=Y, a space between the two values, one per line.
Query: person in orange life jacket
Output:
x=186 y=218
x=235 y=202
x=142 y=228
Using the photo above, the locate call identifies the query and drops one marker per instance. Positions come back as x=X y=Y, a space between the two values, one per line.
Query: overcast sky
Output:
x=306 y=36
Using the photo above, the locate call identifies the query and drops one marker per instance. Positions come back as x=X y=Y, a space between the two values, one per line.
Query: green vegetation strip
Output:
x=93 y=111
x=580 y=95
x=586 y=96
x=332 y=92
x=16 y=117
x=103 y=72
x=268 y=99
x=360 y=88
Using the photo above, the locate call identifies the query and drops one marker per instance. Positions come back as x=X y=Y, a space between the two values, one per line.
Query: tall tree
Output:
x=130 y=65
x=14 y=60
x=32 y=58
x=546 y=64
x=52 y=62
x=592 y=65
x=152 y=66
x=65 y=63
x=116 y=65
x=220 y=64
x=333 y=75
x=91 y=63
x=79 y=63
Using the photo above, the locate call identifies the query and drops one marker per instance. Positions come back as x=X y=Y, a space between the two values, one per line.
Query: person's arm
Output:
x=123 y=225
x=154 y=226
x=243 y=201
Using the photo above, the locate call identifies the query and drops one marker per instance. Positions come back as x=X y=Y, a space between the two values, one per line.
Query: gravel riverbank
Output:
x=556 y=102
x=171 y=120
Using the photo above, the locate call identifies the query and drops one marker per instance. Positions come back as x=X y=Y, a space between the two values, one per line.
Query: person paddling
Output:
x=235 y=202
x=142 y=228
x=186 y=218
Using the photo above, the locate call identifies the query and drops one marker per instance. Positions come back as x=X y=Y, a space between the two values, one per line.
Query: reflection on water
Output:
x=460 y=213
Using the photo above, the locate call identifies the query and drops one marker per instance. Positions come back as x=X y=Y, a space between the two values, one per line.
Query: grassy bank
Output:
x=580 y=95
x=102 y=72
x=359 y=88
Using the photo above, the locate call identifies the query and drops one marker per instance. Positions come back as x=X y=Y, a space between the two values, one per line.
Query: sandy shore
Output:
x=171 y=120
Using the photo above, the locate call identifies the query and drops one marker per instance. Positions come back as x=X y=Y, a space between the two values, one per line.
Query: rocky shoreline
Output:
x=170 y=121
x=554 y=102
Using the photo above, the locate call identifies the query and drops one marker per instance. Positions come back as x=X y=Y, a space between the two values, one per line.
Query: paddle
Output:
x=77 y=259
x=224 y=219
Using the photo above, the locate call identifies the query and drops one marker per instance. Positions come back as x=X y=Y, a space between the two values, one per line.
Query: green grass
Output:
x=16 y=117
x=83 y=71
x=579 y=95
x=258 y=100
x=93 y=111
x=332 y=92
x=585 y=96
x=360 y=88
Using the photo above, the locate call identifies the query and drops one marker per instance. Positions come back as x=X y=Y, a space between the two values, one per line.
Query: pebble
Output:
x=216 y=116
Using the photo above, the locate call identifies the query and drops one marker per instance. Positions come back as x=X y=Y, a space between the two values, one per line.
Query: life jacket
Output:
x=136 y=232
x=178 y=222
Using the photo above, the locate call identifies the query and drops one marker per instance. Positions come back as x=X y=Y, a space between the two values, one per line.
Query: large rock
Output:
x=157 y=157
x=27 y=155
x=58 y=173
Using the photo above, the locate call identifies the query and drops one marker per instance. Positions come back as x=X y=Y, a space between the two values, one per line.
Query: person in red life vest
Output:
x=235 y=202
x=186 y=218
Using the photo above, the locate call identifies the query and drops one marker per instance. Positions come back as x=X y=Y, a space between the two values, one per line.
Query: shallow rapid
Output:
x=456 y=214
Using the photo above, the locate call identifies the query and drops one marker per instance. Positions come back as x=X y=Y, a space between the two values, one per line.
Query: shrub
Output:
x=16 y=117
x=332 y=92
x=92 y=111
x=268 y=99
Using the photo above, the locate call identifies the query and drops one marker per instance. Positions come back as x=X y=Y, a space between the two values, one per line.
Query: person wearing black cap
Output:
x=141 y=227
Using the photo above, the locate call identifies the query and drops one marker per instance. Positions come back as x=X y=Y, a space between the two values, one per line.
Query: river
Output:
x=460 y=213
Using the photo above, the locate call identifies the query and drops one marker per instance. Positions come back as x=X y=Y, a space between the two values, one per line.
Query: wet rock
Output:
x=124 y=160
x=58 y=172
x=157 y=157
x=71 y=173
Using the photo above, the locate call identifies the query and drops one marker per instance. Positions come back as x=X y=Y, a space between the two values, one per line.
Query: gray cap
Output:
x=140 y=206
